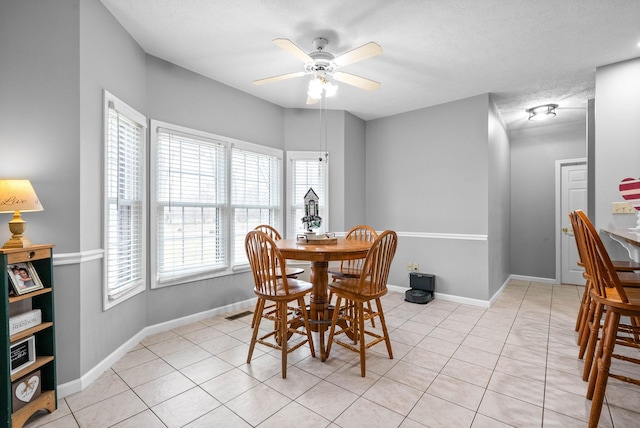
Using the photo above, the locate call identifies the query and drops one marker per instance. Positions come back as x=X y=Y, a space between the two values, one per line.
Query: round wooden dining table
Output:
x=320 y=255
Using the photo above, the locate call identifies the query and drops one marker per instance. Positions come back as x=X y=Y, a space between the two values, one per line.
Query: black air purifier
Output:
x=422 y=288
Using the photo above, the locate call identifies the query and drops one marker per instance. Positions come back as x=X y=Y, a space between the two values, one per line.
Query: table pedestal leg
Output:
x=319 y=303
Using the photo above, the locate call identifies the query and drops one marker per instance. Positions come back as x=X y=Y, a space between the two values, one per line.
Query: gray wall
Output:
x=109 y=59
x=354 y=171
x=428 y=179
x=534 y=151
x=617 y=143
x=40 y=139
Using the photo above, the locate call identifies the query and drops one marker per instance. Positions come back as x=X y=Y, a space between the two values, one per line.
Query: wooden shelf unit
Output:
x=41 y=257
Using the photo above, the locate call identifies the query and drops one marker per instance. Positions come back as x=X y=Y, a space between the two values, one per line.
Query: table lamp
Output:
x=16 y=196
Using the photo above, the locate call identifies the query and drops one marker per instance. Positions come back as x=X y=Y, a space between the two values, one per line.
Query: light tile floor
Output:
x=454 y=365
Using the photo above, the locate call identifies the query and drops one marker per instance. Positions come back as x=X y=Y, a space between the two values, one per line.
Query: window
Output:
x=255 y=194
x=306 y=171
x=208 y=192
x=125 y=215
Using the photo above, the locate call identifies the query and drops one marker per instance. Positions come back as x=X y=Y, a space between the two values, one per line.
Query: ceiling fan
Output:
x=322 y=64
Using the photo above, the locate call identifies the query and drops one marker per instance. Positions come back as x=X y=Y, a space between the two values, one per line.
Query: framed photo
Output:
x=24 y=278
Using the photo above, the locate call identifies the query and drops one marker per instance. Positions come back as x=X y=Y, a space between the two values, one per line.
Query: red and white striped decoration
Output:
x=630 y=191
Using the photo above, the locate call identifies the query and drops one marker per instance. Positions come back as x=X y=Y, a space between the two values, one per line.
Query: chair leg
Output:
x=593 y=373
x=354 y=326
x=385 y=332
x=283 y=309
x=582 y=319
x=585 y=329
x=307 y=325
x=593 y=340
x=598 y=384
x=373 y=321
x=360 y=317
x=581 y=311
x=256 y=327
x=334 y=322
x=635 y=324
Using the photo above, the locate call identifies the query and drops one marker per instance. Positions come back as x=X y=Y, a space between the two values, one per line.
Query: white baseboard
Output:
x=74 y=386
x=534 y=279
x=447 y=297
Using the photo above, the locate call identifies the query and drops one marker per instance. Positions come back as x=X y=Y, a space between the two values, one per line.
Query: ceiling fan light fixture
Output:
x=315 y=89
x=330 y=89
x=543 y=112
x=319 y=84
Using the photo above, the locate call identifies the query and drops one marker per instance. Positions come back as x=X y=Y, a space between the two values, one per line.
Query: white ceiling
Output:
x=525 y=53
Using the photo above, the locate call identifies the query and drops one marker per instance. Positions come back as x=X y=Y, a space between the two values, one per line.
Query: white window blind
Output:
x=125 y=217
x=255 y=195
x=191 y=219
x=306 y=171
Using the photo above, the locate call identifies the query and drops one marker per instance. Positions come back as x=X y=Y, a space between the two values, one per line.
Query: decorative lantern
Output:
x=311 y=219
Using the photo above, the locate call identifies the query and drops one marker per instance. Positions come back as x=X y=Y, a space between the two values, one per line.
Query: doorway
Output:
x=571 y=194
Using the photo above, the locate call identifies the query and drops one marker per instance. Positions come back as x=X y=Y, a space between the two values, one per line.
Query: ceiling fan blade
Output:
x=293 y=49
x=357 y=81
x=369 y=50
x=278 y=78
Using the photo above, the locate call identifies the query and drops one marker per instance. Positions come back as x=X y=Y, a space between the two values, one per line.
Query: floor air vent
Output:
x=239 y=315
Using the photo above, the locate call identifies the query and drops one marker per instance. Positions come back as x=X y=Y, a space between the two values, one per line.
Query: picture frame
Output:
x=24 y=278
x=22 y=354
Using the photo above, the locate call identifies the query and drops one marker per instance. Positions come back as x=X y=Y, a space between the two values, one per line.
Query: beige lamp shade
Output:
x=17 y=196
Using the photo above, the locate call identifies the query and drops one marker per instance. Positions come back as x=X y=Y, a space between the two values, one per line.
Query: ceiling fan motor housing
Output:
x=322 y=61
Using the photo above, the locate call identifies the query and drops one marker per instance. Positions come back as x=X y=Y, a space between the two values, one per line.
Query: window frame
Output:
x=112 y=297
x=230 y=144
x=294 y=225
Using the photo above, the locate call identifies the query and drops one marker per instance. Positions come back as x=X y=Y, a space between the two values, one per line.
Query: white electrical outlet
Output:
x=416 y=266
x=409 y=266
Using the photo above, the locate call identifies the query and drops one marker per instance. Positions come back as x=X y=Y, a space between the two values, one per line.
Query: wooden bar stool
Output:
x=355 y=292
x=293 y=273
x=587 y=310
x=271 y=285
x=607 y=291
x=353 y=268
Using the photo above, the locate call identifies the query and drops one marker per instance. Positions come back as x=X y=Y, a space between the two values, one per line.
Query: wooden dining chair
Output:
x=355 y=292
x=353 y=268
x=591 y=312
x=607 y=291
x=627 y=277
x=290 y=272
x=273 y=233
x=272 y=285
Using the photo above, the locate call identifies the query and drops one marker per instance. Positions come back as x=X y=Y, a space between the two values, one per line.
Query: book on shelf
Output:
x=24 y=321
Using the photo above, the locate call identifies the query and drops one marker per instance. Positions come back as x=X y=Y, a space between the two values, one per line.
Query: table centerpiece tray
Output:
x=317 y=239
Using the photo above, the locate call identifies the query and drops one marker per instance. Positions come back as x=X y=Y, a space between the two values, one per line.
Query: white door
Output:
x=573 y=196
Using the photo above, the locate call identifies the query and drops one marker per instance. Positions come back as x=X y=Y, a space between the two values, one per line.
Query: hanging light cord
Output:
x=324 y=156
